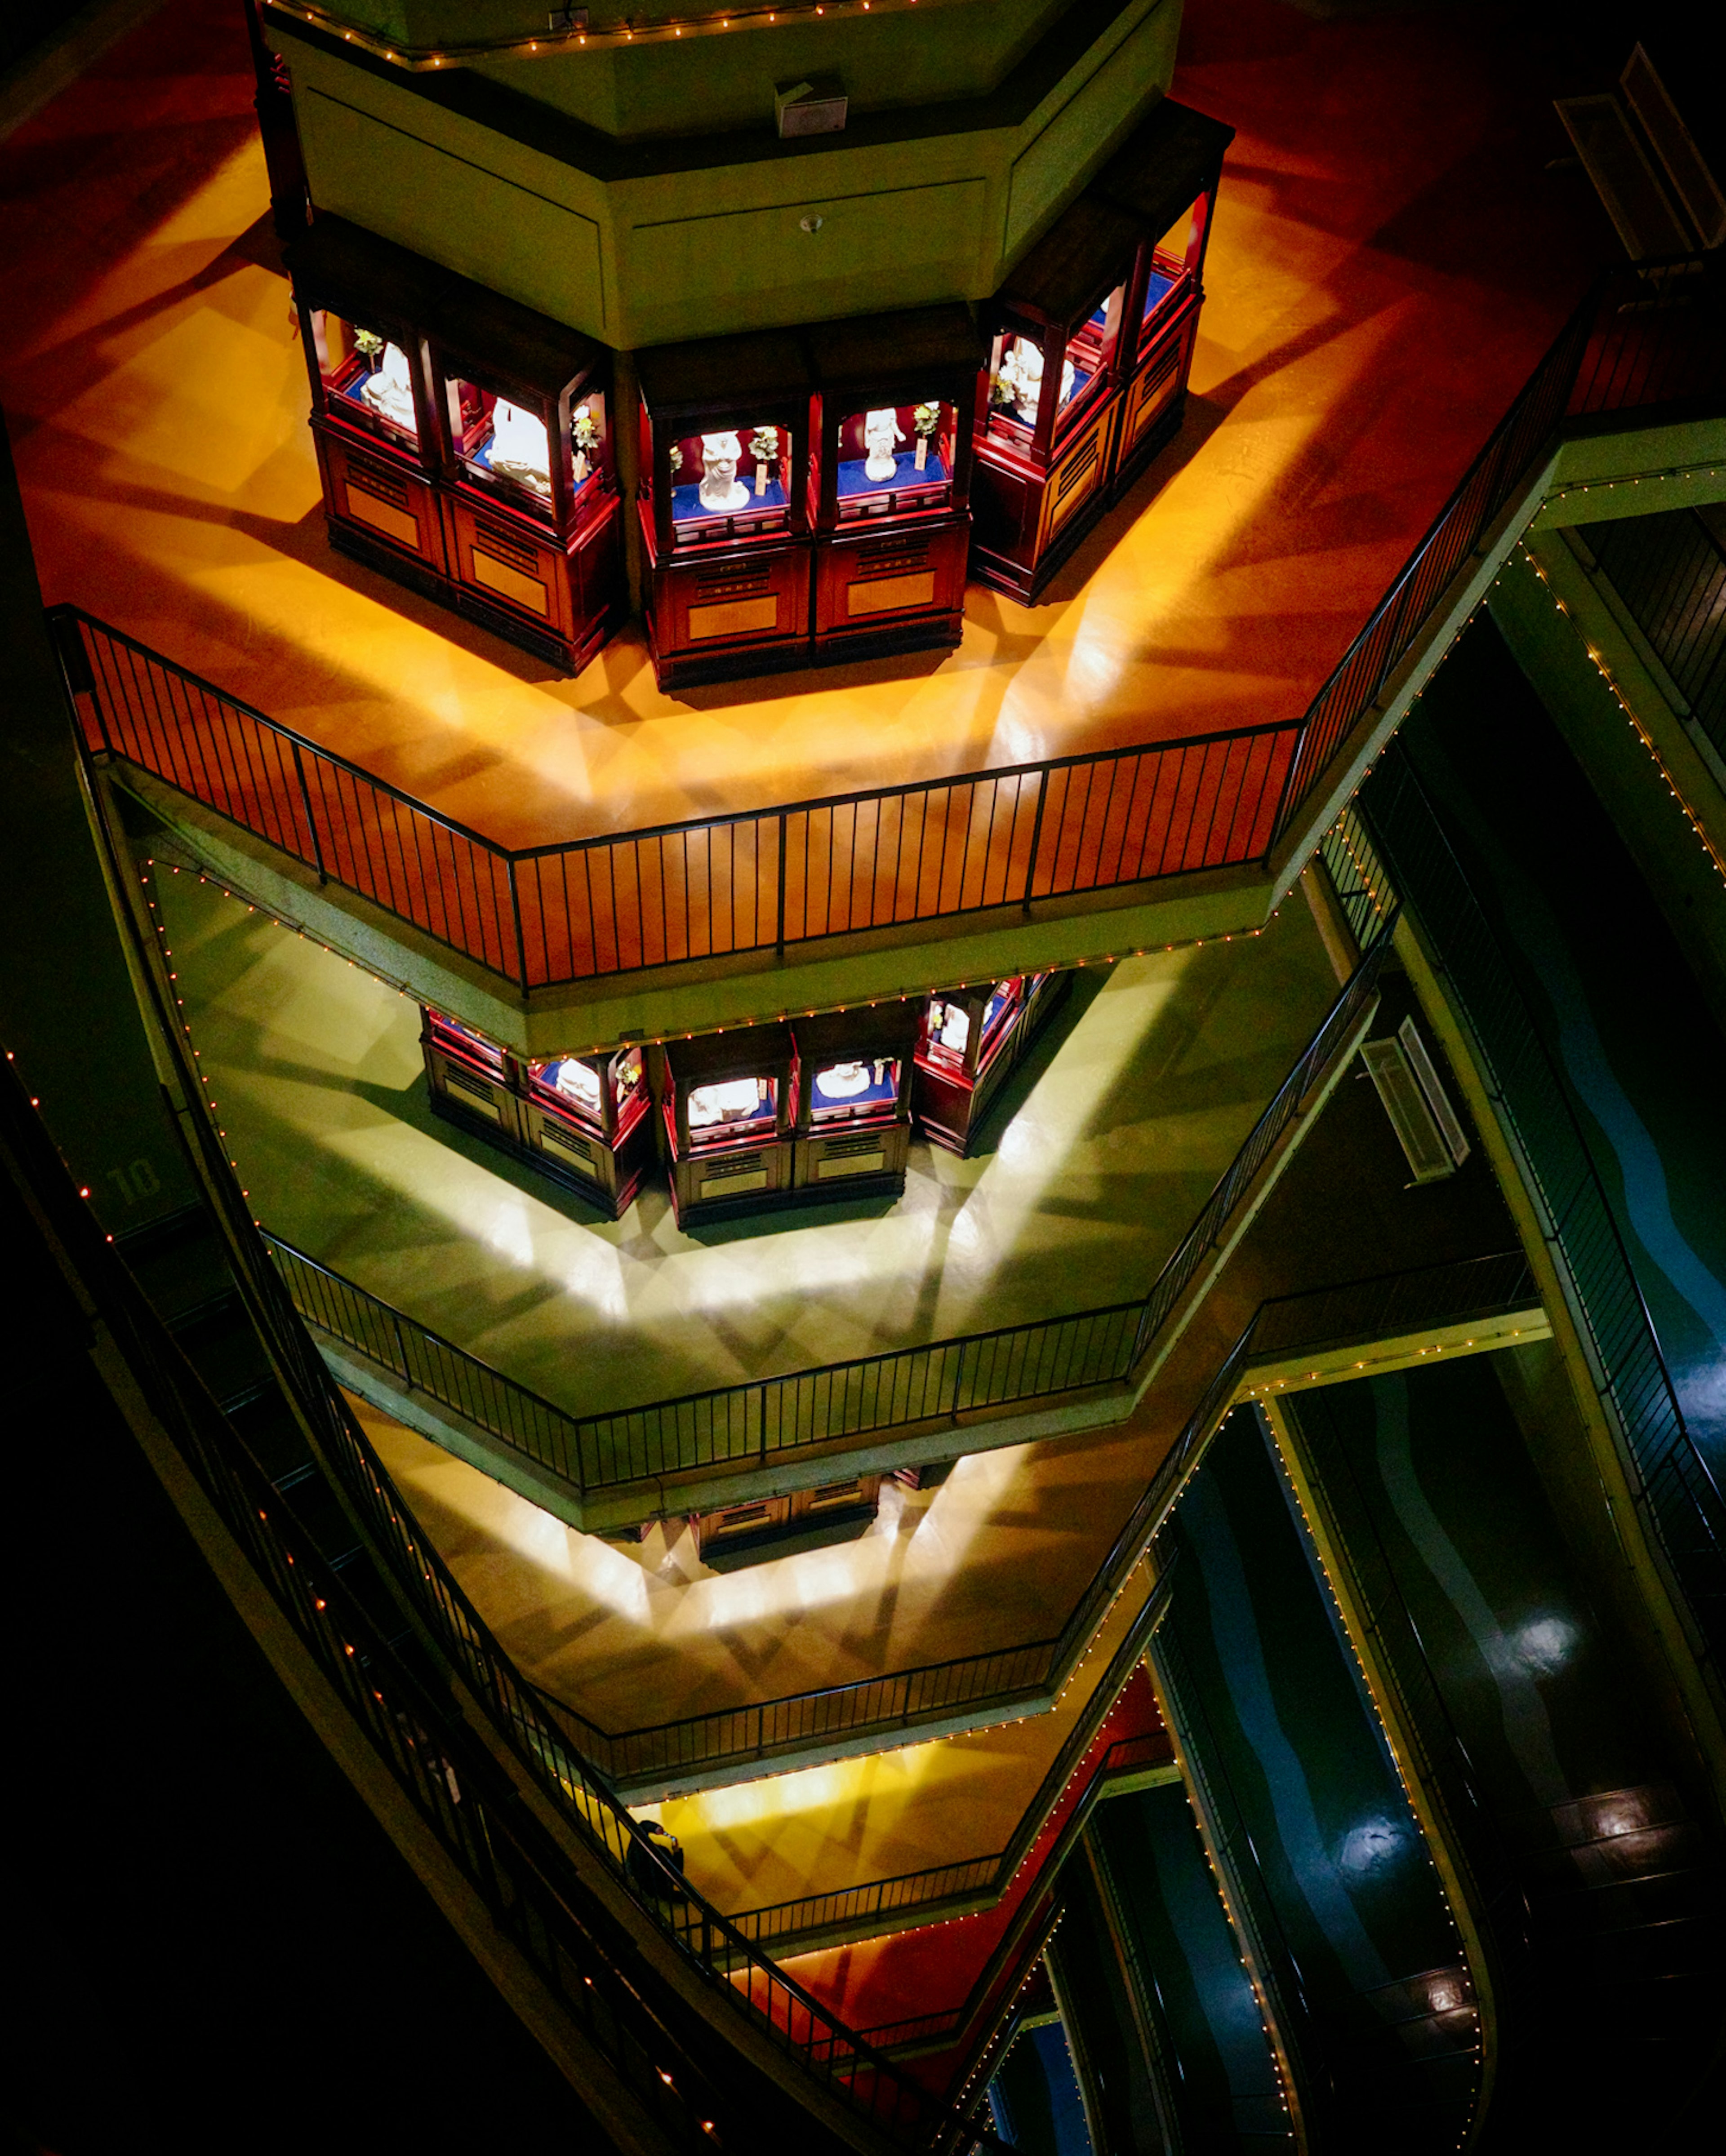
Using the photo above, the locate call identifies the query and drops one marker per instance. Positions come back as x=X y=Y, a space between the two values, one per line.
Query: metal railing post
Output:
x=317 y=849
x=515 y=912
x=1036 y=838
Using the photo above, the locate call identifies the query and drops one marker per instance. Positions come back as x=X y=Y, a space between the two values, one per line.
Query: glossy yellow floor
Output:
x=1378 y=292
x=633 y=1634
x=839 y=1825
x=1143 y=1092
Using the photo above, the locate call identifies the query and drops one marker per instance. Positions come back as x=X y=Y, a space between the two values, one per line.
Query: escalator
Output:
x=1611 y=1995
x=1326 y=1870
x=1218 y=2081
x=1612 y=996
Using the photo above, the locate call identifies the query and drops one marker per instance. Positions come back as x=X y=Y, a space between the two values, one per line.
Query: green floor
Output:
x=1121 y=1121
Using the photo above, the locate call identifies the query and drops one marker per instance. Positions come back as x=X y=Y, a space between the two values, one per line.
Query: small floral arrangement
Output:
x=368 y=344
x=925 y=419
x=764 y=447
x=584 y=435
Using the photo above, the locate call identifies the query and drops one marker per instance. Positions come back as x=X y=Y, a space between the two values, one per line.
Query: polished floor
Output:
x=852 y=1821
x=637 y=1633
x=1389 y=258
x=1135 y=1102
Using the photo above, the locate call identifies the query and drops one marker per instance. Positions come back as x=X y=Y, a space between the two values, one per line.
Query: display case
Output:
x=726 y=505
x=588 y=1118
x=728 y=1110
x=763 y=1527
x=854 y=1103
x=532 y=517
x=970 y=1039
x=1166 y=177
x=583 y=1120
x=899 y=397
x=1058 y=336
x=471 y=1080
x=362 y=305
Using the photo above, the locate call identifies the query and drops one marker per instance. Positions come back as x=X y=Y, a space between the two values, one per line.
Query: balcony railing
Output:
x=462 y=1762
x=936 y=850
x=897 y=1703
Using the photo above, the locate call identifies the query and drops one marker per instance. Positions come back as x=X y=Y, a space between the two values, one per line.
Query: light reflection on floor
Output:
x=1377 y=294
x=1147 y=1088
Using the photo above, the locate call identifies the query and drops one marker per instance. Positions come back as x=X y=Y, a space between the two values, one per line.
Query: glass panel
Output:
x=1168 y=262
x=844 y=1090
x=714 y=1109
x=574 y=1085
x=367 y=378
x=502 y=445
x=1089 y=348
x=1003 y=1002
x=947 y=1032
x=626 y=1075
x=1015 y=381
x=897 y=456
x=734 y=472
x=468 y=1047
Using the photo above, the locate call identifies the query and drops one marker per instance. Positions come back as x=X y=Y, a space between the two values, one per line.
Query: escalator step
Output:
x=267 y=1426
x=222 y=1346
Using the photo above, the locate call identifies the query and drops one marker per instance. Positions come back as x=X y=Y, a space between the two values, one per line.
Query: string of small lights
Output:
x=944 y=985
x=581 y=35
x=1352 y=1626
x=1713 y=852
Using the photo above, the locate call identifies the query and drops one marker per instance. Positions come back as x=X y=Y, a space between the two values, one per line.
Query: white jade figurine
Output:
x=1022 y=377
x=882 y=432
x=389 y=392
x=720 y=489
x=519 y=448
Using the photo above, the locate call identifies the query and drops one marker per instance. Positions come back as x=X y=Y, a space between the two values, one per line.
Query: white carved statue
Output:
x=519 y=448
x=389 y=391
x=720 y=489
x=1022 y=378
x=881 y=433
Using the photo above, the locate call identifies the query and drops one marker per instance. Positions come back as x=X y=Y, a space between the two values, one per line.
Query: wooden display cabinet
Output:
x=854 y=1100
x=363 y=305
x=969 y=1040
x=471 y=1081
x=582 y=1119
x=728 y=1108
x=533 y=523
x=726 y=505
x=764 y=1527
x=587 y=1120
x=1046 y=447
x=899 y=397
x=1166 y=177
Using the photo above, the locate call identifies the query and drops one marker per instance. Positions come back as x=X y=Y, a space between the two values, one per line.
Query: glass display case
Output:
x=533 y=517
x=968 y=1040
x=854 y=1107
x=899 y=396
x=726 y=494
x=583 y=1120
x=1057 y=341
x=586 y=1118
x=764 y=1527
x=728 y=1110
x=362 y=305
x=465 y=443
x=1166 y=177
